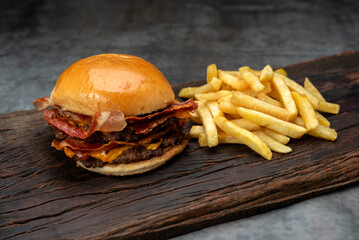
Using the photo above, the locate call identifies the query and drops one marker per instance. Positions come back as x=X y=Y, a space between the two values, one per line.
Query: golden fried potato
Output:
x=328 y=107
x=308 y=85
x=306 y=111
x=266 y=74
x=321 y=131
x=232 y=81
x=211 y=72
x=273 y=123
x=190 y=92
x=208 y=123
x=252 y=80
x=247 y=137
x=272 y=144
x=262 y=109
x=249 y=102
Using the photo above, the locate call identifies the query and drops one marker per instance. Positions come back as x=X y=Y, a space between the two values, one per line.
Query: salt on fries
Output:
x=261 y=109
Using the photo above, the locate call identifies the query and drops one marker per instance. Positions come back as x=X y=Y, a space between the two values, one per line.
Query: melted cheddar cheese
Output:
x=112 y=154
x=69 y=152
x=153 y=146
x=109 y=156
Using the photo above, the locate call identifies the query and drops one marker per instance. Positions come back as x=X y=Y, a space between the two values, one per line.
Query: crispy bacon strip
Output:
x=105 y=122
x=149 y=138
x=42 y=103
x=83 y=146
x=111 y=121
x=147 y=125
x=52 y=118
x=77 y=118
x=189 y=105
x=179 y=110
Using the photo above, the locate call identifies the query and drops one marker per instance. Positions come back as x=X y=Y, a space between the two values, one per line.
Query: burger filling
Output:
x=140 y=138
x=163 y=137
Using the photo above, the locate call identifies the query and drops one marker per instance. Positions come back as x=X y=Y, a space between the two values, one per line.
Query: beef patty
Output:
x=136 y=154
x=171 y=132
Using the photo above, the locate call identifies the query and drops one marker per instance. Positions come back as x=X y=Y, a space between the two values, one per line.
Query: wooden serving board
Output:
x=45 y=196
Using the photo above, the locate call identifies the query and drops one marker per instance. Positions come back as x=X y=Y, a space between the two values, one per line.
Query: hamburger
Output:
x=116 y=114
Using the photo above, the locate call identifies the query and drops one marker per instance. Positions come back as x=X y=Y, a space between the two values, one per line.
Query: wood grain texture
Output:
x=44 y=195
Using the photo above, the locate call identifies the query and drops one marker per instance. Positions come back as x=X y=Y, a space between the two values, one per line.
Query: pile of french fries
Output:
x=262 y=109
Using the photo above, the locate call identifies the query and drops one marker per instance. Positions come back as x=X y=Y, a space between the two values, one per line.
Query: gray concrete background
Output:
x=39 y=39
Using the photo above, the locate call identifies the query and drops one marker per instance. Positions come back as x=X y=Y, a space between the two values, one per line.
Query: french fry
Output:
x=267 y=74
x=215 y=83
x=258 y=109
x=227 y=99
x=322 y=120
x=278 y=125
x=226 y=138
x=306 y=111
x=276 y=136
x=234 y=73
x=267 y=87
x=265 y=98
x=321 y=131
x=274 y=94
x=213 y=96
x=208 y=124
x=272 y=144
x=195 y=131
x=228 y=107
x=292 y=85
x=246 y=68
x=226 y=87
x=231 y=116
x=190 y=92
x=247 y=137
x=281 y=71
x=214 y=109
x=285 y=96
x=195 y=117
x=252 y=80
x=247 y=124
x=202 y=140
x=249 y=102
x=308 y=85
x=324 y=133
x=250 y=92
x=222 y=138
x=233 y=81
x=211 y=72
x=328 y=107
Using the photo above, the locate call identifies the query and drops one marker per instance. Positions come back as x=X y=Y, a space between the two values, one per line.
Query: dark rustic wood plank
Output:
x=44 y=195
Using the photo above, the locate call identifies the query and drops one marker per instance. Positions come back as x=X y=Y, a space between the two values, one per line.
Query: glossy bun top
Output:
x=107 y=82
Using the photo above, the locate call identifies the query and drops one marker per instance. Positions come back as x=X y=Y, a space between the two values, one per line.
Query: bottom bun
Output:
x=125 y=169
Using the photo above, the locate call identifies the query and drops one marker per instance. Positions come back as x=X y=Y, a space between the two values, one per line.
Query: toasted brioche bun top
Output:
x=107 y=82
